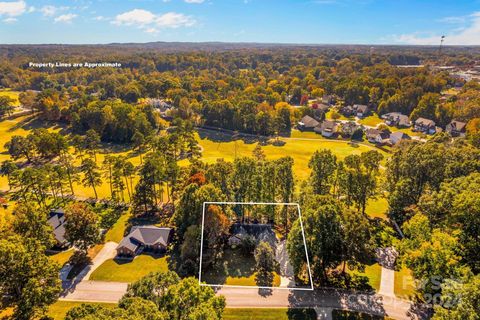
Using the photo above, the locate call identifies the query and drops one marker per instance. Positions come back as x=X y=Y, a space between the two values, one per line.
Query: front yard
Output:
x=129 y=271
x=235 y=269
x=269 y=314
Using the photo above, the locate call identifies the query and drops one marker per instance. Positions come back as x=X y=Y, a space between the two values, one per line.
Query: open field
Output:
x=377 y=208
x=62 y=257
x=372 y=120
x=268 y=314
x=59 y=309
x=12 y=94
x=129 y=271
x=116 y=233
x=218 y=145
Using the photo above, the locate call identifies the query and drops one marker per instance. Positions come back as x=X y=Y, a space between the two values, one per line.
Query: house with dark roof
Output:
x=307 y=123
x=56 y=220
x=398 y=136
x=259 y=231
x=327 y=128
x=144 y=238
x=456 y=128
x=328 y=100
x=396 y=119
x=377 y=136
x=425 y=126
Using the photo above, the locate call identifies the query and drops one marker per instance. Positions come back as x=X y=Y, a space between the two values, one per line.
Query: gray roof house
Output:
x=361 y=110
x=259 y=231
x=148 y=238
x=327 y=128
x=57 y=221
x=396 y=119
x=398 y=136
x=425 y=126
x=456 y=128
x=307 y=123
x=377 y=136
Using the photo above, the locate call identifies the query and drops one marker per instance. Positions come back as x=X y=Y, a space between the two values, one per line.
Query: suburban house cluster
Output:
x=347 y=129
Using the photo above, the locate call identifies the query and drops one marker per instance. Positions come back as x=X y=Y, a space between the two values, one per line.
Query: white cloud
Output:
x=151 y=22
x=136 y=16
x=13 y=9
x=10 y=20
x=466 y=35
x=66 y=18
x=194 y=1
x=50 y=11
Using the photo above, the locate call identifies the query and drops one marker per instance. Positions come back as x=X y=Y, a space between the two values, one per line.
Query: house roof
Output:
x=309 y=122
x=425 y=122
x=360 y=108
x=328 y=125
x=57 y=222
x=399 y=135
x=373 y=133
x=402 y=119
x=147 y=236
x=457 y=125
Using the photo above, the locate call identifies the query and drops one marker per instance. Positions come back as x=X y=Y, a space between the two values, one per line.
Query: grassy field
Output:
x=371 y=121
x=328 y=115
x=268 y=314
x=59 y=309
x=351 y=315
x=12 y=94
x=404 y=283
x=129 y=271
x=217 y=146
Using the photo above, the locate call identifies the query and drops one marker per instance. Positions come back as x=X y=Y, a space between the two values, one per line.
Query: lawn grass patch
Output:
x=353 y=315
x=61 y=257
x=117 y=232
x=374 y=274
x=11 y=94
x=371 y=121
x=59 y=309
x=129 y=271
x=404 y=283
x=269 y=314
x=377 y=208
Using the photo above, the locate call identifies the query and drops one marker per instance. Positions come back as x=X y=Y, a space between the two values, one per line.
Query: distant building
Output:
x=328 y=100
x=347 y=129
x=425 y=125
x=398 y=136
x=358 y=110
x=456 y=128
x=396 y=119
x=377 y=136
x=144 y=238
x=307 y=123
x=327 y=128
x=57 y=221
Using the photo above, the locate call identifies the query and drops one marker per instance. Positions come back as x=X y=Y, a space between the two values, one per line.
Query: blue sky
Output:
x=281 y=21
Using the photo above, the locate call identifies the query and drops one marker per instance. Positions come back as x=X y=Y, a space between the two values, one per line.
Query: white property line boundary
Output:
x=256 y=287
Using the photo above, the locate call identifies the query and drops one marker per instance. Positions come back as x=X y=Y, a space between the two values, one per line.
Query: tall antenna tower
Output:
x=441 y=44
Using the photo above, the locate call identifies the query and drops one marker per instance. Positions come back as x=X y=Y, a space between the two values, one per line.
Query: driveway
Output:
x=108 y=252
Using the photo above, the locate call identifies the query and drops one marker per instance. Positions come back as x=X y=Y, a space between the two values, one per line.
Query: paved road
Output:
x=98 y=291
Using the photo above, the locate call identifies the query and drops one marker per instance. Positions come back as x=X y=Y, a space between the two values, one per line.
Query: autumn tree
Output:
x=81 y=226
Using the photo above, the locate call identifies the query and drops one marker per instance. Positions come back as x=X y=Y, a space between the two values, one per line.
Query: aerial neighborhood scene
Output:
x=240 y=159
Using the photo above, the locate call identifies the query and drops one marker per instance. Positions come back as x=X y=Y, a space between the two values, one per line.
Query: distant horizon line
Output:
x=241 y=43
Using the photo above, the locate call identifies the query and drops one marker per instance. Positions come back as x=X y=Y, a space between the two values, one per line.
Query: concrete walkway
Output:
x=387 y=283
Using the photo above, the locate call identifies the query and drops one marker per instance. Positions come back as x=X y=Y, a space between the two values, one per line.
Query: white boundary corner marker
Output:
x=256 y=287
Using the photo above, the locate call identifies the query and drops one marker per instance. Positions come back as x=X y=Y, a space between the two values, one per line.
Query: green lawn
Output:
x=377 y=208
x=404 y=283
x=218 y=146
x=352 y=315
x=62 y=257
x=373 y=273
x=268 y=314
x=117 y=232
x=328 y=115
x=59 y=309
x=129 y=271
x=236 y=269
x=371 y=121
